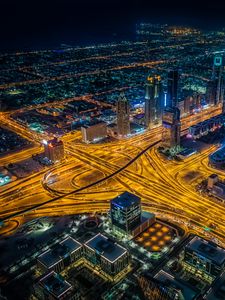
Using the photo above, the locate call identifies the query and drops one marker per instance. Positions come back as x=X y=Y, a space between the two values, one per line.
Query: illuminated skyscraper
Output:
x=215 y=88
x=54 y=150
x=171 y=127
x=172 y=88
x=154 y=101
x=126 y=211
x=123 y=116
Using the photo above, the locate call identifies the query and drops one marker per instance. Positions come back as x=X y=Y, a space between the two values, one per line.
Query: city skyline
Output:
x=112 y=158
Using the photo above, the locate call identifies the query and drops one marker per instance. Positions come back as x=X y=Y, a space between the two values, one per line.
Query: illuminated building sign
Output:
x=151 y=78
x=218 y=61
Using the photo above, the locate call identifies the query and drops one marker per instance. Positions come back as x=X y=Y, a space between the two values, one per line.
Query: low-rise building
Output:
x=54 y=287
x=60 y=256
x=176 y=288
x=107 y=254
x=217 y=159
x=216 y=187
x=204 y=258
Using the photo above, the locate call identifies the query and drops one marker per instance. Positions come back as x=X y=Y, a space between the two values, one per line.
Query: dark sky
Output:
x=38 y=24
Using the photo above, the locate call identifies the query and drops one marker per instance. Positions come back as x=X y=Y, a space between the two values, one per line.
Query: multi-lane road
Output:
x=91 y=175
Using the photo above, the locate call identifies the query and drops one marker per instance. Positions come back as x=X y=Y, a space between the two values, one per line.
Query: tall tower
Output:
x=172 y=88
x=153 y=102
x=123 y=116
x=54 y=150
x=125 y=211
x=215 y=88
x=171 y=127
x=211 y=92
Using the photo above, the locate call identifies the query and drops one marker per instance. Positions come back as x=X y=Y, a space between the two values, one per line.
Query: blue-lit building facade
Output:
x=126 y=211
x=127 y=217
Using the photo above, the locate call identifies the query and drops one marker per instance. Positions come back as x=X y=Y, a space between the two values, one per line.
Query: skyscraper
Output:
x=211 y=92
x=154 y=98
x=215 y=88
x=171 y=127
x=54 y=150
x=93 y=132
x=172 y=88
x=126 y=211
x=123 y=116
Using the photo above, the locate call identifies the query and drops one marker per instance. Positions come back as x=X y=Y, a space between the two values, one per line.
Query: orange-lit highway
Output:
x=91 y=175
x=165 y=186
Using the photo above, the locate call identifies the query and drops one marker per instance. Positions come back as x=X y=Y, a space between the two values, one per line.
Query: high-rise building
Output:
x=219 y=76
x=197 y=101
x=211 y=92
x=54 y=150
x=127 y=217
x=181 y=106
x=212 y=180
x=93 y=133
x=126 y=211
x=172 y=88
x=123 y=116
x=187 y=104
x=216 y=86
x=154 y=102
x=171 y=127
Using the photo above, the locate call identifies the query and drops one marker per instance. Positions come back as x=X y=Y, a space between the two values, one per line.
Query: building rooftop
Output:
x=219 y=155
x=188 y=292
x=187 y=152
x=217 y=291
x=213 y=176
x=221 y=185
x=58 y=252
x=55 y=284
x=126 y=200
x=145 y=215
x=93 y=124
x=54 y=142
x=106 y=247
x=207 y=249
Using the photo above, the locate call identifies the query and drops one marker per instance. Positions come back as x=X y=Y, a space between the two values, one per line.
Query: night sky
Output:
x=40 y=24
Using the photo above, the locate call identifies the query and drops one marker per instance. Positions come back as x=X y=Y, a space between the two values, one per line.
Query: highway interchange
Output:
x=91 y=175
